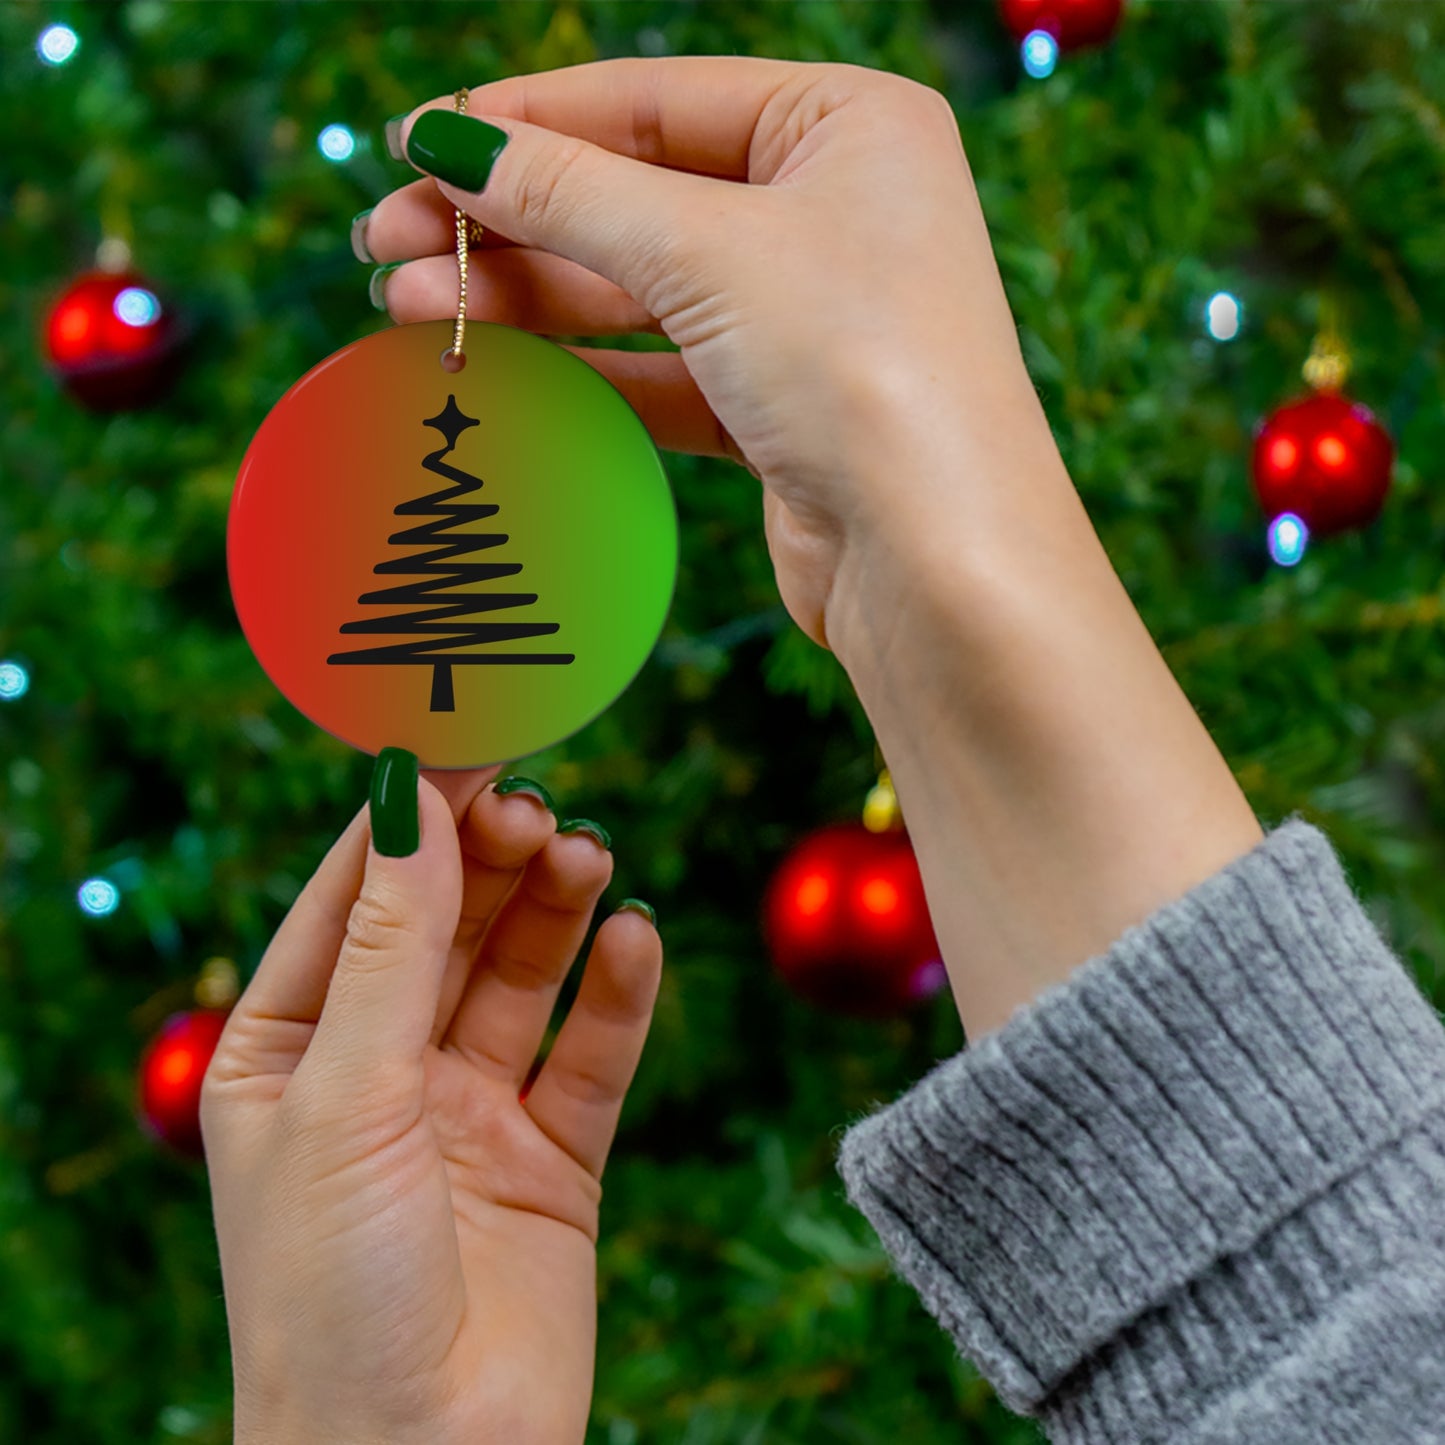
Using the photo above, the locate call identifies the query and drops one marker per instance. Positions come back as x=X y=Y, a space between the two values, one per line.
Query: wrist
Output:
x=276 y=1430
x=1057 y=784
x=954 y=477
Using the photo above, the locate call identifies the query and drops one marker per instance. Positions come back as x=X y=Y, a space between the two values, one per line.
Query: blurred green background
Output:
x=1287 y=153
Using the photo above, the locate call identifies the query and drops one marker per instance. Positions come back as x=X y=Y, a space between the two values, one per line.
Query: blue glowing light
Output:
x=336 y=143
x=1223 y=316
x=137 y=307
x=57 y=44
x=14 y=681
x=98 y=897
x=1040 y=53
x=1288 y=537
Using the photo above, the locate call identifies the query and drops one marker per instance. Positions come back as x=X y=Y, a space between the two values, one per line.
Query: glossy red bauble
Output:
x=1073 y=23
x=847 y=924
x=112 y=341
x=1324 y=458
x=171 y=1071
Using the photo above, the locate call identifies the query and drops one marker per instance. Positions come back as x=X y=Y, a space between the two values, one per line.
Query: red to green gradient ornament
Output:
x=472 y=565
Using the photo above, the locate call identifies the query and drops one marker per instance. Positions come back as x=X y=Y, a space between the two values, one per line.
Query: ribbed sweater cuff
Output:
x=1146 y=1163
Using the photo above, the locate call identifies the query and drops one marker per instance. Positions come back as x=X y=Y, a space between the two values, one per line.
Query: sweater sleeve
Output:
x=1196 y=1192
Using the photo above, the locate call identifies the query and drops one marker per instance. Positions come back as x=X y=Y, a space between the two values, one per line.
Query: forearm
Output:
x=1057 y=784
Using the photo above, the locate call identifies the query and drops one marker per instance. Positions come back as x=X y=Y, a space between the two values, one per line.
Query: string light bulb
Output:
x=1288 y=538
x=57 y=44
x=14 y=681
x=1040 y=54
x=98 y=897
x=337 y=143
x=1223 y=316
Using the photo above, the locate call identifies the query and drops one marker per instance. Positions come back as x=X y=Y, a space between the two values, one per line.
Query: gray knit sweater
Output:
x=1197 y=1191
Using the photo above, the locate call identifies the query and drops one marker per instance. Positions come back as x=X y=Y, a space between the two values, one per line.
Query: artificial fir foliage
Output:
x=1277 y=152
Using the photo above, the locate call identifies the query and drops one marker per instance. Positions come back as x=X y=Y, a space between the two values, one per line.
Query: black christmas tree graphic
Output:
x=439 y=569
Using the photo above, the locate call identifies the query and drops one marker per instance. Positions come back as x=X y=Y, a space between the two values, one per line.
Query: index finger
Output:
x=696 y=113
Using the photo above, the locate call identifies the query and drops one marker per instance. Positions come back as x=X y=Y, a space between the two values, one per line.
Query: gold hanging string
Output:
x=467 y=230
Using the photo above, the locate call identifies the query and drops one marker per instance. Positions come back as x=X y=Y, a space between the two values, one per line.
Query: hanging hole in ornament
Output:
x=453 y=361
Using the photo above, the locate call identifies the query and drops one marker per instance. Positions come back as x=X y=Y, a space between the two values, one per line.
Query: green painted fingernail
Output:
x=586 y=825
x=376 y=288
x=392 y=131
x=359 y=248
x=395 y=814
x=636 y=905
x=458 y=149
x=528 y=786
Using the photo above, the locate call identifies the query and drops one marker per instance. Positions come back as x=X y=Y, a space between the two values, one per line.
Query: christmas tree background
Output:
x=1285 y=153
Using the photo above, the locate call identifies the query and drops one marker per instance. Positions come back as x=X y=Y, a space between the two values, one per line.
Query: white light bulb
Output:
x=1288 y=537
x=57 y=44
x=14 y=681
x=336 y=143
x=137 y=307
x=98 y=897
x=1040 y=52
x=1223 y=316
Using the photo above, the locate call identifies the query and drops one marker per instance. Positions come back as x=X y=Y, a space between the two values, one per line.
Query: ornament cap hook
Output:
x=1328 y=365
x=219 y=985
x=881 y=813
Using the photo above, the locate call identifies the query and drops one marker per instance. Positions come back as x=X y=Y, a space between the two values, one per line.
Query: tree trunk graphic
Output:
x=440 y=569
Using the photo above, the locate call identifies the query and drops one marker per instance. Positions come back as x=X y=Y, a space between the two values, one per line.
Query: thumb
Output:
x=382 y=1000
x=628 y=221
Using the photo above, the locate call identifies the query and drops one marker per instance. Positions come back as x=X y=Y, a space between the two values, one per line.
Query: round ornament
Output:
x=112 y=341
x=1324 y=458
x=847 y=923
x=471 y=564
x=172 y=1070
x=1072 y=23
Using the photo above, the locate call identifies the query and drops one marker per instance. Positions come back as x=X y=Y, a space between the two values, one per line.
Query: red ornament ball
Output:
x=1326 y=459
x=1073 y=23
x=847 y=924
x=171 y=1071
x=112 y=341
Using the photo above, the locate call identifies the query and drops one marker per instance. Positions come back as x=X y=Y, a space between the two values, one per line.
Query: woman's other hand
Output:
x=407 y=1244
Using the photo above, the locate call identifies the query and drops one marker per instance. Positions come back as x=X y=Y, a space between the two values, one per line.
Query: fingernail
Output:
x=376 y=287
x=393 y=136
x=636 y=905
x=526 y=785
x=395 y=820
x=455 y=148
x=586 y=825
x=359 y=248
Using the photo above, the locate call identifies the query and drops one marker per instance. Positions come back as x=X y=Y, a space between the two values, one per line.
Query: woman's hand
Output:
x=407 y=1246
x=843 y=299
x=810 y=237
